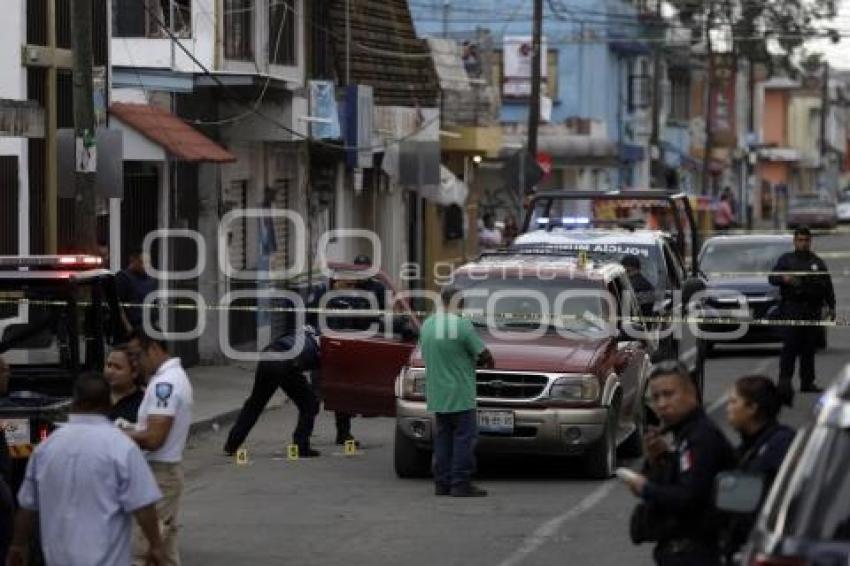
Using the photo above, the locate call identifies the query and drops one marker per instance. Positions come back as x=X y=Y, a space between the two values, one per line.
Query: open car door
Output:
x=635 y=210
x=359 y=368
x=358 y=374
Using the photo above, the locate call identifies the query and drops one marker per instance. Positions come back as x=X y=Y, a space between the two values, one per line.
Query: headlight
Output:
x=412 y=384
x=575 y=388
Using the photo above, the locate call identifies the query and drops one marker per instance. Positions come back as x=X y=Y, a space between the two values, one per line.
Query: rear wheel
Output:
x=410 y=460
x=601 y=459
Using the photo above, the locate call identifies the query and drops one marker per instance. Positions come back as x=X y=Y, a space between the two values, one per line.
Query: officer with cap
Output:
x=288 y=375
x=644 y=290
x=803 y=298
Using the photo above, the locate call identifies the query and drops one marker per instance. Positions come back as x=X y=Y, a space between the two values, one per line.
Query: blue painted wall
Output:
x=592 y=77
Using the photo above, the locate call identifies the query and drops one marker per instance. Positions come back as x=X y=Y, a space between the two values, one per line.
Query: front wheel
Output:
x=410 y=461
x=601 y=459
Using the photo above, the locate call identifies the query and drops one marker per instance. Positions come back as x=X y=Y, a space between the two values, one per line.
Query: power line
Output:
x=175 y=40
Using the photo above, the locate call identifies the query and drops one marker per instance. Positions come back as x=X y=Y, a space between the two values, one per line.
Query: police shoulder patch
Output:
x=163 y=392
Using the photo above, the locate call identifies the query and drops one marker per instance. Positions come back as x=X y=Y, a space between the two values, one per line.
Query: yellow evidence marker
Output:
x=241 y=457
x=292 y=452
x=350 y=447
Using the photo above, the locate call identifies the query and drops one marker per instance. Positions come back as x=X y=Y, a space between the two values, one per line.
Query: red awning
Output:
x=179 y=139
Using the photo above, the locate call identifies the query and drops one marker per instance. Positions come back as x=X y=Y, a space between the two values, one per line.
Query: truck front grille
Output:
x=510 y=385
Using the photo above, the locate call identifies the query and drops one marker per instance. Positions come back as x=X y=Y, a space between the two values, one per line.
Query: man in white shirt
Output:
x=83 y=484
x=165 y=416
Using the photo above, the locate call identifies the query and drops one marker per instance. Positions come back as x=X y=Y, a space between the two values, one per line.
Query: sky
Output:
x=838 y=54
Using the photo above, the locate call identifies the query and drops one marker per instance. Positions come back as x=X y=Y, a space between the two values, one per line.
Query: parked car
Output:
x=805 y=519
x=736 y=267
x=812 y=210
x=574 y=389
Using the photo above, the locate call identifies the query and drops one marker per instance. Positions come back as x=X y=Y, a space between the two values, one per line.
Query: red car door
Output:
x=358 y=374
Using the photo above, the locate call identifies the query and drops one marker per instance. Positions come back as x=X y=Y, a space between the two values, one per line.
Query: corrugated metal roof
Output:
x=179 y=139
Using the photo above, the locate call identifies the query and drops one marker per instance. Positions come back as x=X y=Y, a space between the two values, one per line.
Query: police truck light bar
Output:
x=50 y=262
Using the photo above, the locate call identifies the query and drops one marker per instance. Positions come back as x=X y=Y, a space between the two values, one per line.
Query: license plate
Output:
x=496 y=422
x=17 y=431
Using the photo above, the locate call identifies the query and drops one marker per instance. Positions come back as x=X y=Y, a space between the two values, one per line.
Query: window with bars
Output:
x=680 y=96
x=239 y=30
x=282 y=31
x=639 y=87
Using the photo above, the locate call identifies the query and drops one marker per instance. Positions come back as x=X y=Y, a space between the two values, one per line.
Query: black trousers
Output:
x=269 y=376
x=798 y=341
x=342 y=420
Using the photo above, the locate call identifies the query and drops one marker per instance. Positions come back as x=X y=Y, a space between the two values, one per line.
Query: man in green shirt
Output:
x=452 y=349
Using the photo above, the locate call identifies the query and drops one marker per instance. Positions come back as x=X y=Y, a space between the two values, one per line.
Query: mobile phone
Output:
x=625 y=474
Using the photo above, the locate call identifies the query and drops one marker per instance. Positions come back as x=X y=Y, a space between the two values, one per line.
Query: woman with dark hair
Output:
x=753 y=411
x=124 y=378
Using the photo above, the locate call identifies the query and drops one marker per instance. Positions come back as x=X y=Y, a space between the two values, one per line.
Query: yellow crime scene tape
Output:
x=738 y=319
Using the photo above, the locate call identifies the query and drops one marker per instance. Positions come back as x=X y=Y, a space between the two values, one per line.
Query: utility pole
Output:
x=709 y=131
x=446 y=10
x=745 y=204
x=536 y=59
x=655 y=135
x=824 y=104
x=85 y=237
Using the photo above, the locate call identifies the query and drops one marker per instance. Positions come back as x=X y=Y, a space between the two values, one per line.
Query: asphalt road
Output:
x=352 y=510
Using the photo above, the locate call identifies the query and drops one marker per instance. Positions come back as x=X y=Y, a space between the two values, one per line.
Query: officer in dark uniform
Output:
x=803 y=299
x=677 y=511
x=643 y=288
x=753 y=411
x=288 y=375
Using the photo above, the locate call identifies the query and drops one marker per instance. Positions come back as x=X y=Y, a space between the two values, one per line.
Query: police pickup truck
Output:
x=657 y=227
x=57 y=316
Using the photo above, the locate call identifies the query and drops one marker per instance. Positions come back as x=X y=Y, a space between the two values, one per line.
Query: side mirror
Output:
x=738 y=492
x=691 y=287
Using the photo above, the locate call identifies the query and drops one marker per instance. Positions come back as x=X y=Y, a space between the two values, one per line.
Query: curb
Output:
x=208 y=424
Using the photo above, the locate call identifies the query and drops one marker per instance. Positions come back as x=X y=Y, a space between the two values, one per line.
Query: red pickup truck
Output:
x=566 y=382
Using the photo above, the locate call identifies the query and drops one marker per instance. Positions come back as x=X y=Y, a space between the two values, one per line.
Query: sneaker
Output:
x=468 y=490
x=811 y=388
x=442 y=489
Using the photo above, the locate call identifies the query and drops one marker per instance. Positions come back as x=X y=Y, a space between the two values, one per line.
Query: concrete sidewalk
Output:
x=219 y=392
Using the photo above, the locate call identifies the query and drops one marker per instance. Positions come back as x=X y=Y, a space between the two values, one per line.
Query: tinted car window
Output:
x=736 y=257
x=815 y=498
x=575 y=304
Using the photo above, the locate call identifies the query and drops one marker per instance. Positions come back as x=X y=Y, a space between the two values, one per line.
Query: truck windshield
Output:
x=580 y=306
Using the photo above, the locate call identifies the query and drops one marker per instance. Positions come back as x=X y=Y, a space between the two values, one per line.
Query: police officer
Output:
x=288 y=375
x=643 y=288
x=803 y=300
x=753 y=411
x=677 y=511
